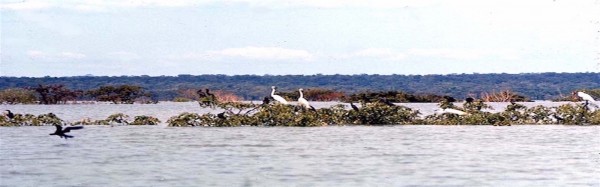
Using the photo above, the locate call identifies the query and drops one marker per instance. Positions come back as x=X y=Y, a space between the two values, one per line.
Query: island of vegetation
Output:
x=376 y=106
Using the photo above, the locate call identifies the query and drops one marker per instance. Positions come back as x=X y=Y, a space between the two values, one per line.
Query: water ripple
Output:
x=328 y=156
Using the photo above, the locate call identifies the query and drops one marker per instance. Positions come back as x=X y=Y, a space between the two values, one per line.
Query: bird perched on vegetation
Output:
x=201 y=93
x=221 y=115
x=354 y=107
x=557 y=118
x=206 y=99
x=277 y=97
x=303 y=102
x=208 y=94
x=449 y=99
x=469 y=100
x=266 y=101
x=586 y=97
x=61 y=132
x=9 y=114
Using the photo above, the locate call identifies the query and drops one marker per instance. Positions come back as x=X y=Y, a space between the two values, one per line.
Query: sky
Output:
x=279 y=37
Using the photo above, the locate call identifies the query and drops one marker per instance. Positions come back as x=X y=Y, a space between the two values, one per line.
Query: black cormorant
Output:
x=354 y=107
x=9 y=114
x=61 y=132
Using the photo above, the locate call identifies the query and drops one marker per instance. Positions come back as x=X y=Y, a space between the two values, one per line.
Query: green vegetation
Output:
x=17 y=96
x=374 y=113
x=124 y=94
x=55 y=94
x=31 y=120
x=378 y=113
x=145 y=120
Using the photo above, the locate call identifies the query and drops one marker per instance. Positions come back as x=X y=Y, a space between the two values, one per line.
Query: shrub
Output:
x=503 y=96
x=17 y=96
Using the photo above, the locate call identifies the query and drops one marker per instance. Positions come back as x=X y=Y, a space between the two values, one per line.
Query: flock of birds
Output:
x=304 y=103
x=60 y=131
x=585 y=97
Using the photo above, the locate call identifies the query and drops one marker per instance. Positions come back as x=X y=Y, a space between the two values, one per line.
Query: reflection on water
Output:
x=320 y=156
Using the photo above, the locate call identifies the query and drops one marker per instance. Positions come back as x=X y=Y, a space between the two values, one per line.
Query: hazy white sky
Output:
x=171 y=37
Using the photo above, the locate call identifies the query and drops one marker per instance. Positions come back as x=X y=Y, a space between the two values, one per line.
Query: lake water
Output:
x=527 y=155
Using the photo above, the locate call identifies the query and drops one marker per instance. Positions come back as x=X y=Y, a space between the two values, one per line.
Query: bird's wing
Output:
x=304 y=102
x=280 y=99
x=72 y=128
x=589 y=98
x=585 y=96
x=58 y=128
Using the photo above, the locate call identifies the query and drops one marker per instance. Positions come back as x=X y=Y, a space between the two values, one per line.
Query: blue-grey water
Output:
x=528 y=155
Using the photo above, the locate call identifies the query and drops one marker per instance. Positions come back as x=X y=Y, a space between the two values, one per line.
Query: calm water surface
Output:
x=322 y=156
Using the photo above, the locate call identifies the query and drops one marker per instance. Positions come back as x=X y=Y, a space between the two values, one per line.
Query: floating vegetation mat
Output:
x=375 y=113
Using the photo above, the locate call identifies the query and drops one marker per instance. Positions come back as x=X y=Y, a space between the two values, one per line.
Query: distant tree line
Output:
x=536 y=86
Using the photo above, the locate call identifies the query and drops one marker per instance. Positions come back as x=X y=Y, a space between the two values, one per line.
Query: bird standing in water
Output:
x=61 y=132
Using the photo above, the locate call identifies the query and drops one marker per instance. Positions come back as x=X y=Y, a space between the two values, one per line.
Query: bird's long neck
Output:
x=273 y=92
x=301 y=95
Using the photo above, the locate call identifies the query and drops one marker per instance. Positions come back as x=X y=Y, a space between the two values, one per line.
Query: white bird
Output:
x=303 y=102
x=451 y=111
x=277 y=97
x=585 y=97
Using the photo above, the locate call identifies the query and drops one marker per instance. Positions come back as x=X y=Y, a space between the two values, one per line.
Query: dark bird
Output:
x=212 y=96
x=9 y=114
x=221 y=115
x=201 y=94
x=266 y=101
x=449 y=99
x=558 y=118
x=61 y=132
x=469 y=100
x=354 y=107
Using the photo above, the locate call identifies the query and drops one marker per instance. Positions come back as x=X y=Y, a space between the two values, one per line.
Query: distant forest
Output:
x=536 y=86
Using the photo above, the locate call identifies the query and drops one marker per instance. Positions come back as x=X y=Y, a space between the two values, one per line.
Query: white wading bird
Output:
x=277 y=97
x=303 y=102
x=587 y=98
